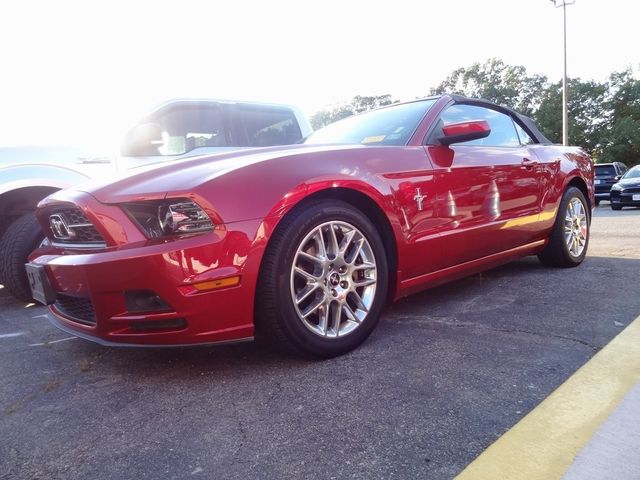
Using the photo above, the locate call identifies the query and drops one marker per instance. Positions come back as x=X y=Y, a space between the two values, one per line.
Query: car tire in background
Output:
x=569 y=238
x=323 y=280
x=22 y=237
x=3 y=228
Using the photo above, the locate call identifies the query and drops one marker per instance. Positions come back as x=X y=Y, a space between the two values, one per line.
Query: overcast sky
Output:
x=81 y=71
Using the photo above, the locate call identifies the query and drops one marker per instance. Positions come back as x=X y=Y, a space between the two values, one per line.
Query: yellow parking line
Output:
x=543 y=445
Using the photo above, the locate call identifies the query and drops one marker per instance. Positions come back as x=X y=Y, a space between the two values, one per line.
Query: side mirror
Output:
x=142 y=140
x=464 y=132
x=617 y=177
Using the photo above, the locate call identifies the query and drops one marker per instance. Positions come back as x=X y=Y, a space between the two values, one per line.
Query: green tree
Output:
x=361 y=104
x=625 y=96
x=493 y=80
x=358 y=104
x=548 y=117
x=588 y=122
x=621 y=142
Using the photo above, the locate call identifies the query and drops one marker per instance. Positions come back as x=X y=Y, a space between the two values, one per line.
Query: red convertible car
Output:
x=305 y=244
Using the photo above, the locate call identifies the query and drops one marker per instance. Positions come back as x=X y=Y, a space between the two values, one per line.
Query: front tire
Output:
x=569 y=239
x=616 y=207
x=323 y=281
x=22 y=237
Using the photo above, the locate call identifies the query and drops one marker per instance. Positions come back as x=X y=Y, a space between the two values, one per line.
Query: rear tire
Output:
x=597 y=202
x=323 y=281
x=569 y=238
x=22 y=237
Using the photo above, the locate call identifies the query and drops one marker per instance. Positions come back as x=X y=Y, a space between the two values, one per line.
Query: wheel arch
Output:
x=24 y=199
x=581 y=185
x=25 y=185
x=15 y=203
x=368 y=206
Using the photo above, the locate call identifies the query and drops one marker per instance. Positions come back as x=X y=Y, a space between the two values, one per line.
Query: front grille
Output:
x=87 y=234
x=632 y=190
x=78 y=309
x=70 y=226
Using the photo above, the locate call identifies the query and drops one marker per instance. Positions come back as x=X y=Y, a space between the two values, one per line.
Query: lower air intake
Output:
x=77 y=309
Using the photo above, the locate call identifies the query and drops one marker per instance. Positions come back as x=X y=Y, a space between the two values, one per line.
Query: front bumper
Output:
x=625 y=199
x=62 y=325
x=92 y=289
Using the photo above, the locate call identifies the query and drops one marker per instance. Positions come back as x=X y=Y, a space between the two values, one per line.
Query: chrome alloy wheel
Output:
x=333 y=279
x=576 y=228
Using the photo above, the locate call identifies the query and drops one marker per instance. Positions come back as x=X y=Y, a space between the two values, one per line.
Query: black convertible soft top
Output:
x=525 y=121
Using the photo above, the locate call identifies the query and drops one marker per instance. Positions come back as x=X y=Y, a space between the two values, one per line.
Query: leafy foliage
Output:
x=495 y=81
x=621 y=141
x=587 y=113
x=358 y=104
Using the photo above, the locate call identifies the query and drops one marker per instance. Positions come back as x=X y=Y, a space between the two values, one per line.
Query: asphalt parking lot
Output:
x=445 y=374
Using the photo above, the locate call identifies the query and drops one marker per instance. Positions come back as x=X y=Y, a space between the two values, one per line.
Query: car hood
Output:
x=156 y=180
x=71 y=157
x=628 y=182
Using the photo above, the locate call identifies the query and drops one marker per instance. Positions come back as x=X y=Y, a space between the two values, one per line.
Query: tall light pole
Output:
x=565 y=115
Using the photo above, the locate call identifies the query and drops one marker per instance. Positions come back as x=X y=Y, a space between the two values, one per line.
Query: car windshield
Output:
x=392 y=125
x=633 y=172
x=605 y=170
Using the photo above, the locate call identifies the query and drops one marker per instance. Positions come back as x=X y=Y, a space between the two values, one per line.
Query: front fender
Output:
x=20 y=176
x=270 y=188
x=374 y=191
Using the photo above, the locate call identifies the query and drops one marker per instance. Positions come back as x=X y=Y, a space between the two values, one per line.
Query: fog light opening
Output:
x=139 y=301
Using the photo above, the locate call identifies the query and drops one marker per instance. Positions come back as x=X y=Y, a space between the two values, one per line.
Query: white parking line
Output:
x=11 y=335
x=51 y=342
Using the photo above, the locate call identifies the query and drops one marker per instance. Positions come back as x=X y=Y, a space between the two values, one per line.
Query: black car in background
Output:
x=626 y=193
x=606 y=175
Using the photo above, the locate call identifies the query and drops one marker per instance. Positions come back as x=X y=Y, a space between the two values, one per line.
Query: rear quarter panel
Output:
x=560 y=166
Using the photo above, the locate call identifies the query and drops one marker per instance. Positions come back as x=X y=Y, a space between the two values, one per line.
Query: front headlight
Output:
x=169 y=217
x=616 y=186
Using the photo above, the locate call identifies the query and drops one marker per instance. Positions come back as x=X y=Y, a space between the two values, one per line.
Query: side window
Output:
x=503 y=130
x=176 y=130
x=267 y=126
x=525 y=138
x=187 y=127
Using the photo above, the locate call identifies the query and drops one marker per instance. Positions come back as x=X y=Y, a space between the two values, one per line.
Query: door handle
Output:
x=527 y=163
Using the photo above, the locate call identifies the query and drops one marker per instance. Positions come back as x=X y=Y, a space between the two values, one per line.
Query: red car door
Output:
x=488 y=190
x=415 y=198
